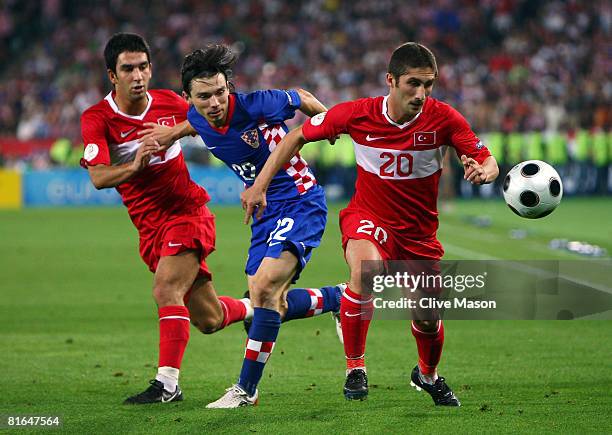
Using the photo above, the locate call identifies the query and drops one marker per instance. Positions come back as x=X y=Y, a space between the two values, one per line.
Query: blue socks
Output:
x=301 y=303
x=262 y=337
x=308 y=302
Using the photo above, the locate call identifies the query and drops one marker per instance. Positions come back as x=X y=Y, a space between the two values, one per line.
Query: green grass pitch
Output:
x=79 y=334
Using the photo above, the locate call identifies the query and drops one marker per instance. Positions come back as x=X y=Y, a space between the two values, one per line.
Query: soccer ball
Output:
x=533 y=189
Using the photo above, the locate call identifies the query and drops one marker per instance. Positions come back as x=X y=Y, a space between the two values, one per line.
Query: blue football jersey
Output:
x=256 y=125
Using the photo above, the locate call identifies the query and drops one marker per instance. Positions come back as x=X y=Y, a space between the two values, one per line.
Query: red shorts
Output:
x=181 y=233
x=391 y=243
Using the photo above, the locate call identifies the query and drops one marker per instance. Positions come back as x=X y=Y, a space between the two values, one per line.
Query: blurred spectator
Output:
x=508 y=65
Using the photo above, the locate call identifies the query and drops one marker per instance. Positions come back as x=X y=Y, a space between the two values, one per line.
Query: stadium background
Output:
x=533 y=78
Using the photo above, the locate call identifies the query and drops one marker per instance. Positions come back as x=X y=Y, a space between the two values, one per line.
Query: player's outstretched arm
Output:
x=164 y=135
x=103 y=176
x=479 y=174
x=255 y=196
x=310 y=105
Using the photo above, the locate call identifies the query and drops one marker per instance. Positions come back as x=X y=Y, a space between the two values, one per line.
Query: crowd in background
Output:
x=507 y=65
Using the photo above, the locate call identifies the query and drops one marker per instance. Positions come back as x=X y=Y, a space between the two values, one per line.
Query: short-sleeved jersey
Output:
x=398 y=166
x=164 y=188
x=256 y=124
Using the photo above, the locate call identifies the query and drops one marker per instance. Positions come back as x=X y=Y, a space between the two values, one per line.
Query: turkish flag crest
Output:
x=425 y=138
x=167 y=121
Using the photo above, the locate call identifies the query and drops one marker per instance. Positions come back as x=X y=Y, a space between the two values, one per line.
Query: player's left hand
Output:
x=145 y=151
x=473 y=171
x=253 y=199
x=162 y=134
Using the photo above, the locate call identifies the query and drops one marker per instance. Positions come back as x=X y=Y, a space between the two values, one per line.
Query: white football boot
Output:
x=234 y=397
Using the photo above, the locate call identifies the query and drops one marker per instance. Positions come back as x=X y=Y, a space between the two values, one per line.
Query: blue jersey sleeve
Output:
x=195 y=119
x=273 y=105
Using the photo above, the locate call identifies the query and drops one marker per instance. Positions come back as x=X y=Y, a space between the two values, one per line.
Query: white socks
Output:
x=169 y=377
x=249 y=308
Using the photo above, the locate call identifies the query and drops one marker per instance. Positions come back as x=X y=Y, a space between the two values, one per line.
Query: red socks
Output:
x=355 y=316
x=429 y=345
x=233 y=310
x=173 y=335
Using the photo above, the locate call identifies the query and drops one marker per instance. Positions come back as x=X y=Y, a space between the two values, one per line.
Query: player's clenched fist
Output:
x=253 y=198
x=144 y=153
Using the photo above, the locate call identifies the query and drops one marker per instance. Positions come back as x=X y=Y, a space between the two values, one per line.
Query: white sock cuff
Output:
x=169 y=372
x=249 y=308
x=169 y=377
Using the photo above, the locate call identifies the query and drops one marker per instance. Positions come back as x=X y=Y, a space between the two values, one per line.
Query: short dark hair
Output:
x=206 y=63
x=411 y=55
x=122 y=42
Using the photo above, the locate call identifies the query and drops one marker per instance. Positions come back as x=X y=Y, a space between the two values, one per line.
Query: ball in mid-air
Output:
x=532 y=189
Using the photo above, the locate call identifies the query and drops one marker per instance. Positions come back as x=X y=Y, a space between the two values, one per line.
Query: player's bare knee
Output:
x=262 y=297
x=167 y=295
x=363 y=276
x=265 y=291
x=160 y=295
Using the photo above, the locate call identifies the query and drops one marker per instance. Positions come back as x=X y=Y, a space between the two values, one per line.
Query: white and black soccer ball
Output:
x=533 y=189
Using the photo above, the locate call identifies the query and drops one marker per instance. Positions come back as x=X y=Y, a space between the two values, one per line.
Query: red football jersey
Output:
x=398 y=166
x=164 y=188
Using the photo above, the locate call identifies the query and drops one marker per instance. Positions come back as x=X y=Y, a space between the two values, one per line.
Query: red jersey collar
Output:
x=405 y=124
x=110 y=99
x=230 y=113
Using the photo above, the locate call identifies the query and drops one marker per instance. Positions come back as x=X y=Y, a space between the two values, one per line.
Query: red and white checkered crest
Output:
x=251 y=137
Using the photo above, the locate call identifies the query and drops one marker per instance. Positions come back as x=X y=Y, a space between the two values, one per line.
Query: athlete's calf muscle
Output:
x=204 y=307
x=174 y=276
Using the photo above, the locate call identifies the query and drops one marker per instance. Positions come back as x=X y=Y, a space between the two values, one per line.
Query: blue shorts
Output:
x=294 y=225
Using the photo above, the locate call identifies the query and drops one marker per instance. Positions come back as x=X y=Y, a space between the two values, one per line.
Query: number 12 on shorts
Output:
x=283 y=226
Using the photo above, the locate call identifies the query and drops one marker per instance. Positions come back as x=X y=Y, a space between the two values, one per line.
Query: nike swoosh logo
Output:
x=370 y=138
x=125 y=134
x=347 y=314
x=274 y=243
x=172 y=245
x=169 y=399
